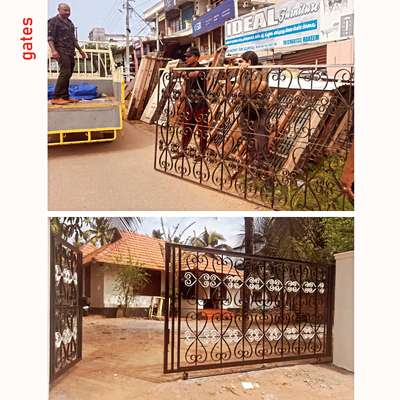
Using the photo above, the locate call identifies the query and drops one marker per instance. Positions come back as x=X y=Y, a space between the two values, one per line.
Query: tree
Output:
x=71 y=229
x=310 y=239
x=100 y=231
x=173 y=235
x=130 y=280
x=80 y=230
x=208 y=239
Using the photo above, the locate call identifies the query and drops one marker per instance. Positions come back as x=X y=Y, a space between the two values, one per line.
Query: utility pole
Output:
x=128 y=32
x=157 y=34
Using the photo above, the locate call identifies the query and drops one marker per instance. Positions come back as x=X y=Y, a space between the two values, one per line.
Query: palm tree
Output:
x=209 y=239
x=100 y=231
x=156 y=233
x=129 y=224
x=173 y=235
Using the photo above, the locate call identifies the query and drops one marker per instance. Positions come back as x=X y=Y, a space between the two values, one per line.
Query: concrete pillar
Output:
x=343 y=326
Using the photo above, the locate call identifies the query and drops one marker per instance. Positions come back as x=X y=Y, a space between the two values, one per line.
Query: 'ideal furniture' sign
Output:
x=290 y=23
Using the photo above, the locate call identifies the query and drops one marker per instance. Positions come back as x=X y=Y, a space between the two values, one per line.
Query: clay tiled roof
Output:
x=87 y=249
x=145 y=250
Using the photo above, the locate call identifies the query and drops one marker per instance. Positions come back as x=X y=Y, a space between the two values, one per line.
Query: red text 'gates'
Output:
x=229 y=309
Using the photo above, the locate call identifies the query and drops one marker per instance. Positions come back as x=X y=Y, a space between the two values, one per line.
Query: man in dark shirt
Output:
x=62 y=42
x=196 y=107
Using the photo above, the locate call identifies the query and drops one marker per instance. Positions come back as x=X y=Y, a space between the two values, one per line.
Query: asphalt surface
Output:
x=119 y=176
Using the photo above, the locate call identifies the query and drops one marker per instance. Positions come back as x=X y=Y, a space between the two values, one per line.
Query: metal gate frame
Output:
x=309 y=310
x=65 y=338
x=284 y=145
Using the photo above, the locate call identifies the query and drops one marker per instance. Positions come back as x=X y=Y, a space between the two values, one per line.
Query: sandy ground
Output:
x=119 y=176
x=122 y=359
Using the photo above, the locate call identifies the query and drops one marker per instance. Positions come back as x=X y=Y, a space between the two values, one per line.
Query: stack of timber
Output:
x=164 y=87
x=145 y=82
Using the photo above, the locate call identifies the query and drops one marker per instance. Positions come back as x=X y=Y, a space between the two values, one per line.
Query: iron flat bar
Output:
x=79 y=304
x=173 y=309
x=52 y=306
x=331 y=307
x=167 y=295
x=309 y=358
x=300 y=308
x=197 y=306
x=237 y=254
x=315 y=309
x=282 y=304
x=179 y=306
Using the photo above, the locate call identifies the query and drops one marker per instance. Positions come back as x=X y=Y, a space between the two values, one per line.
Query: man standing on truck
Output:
x=62 y=42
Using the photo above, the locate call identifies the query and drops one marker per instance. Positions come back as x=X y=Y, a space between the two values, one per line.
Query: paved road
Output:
x=119 y=176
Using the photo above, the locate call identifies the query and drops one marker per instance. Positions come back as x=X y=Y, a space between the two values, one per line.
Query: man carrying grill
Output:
x=62 y=42
x=195 y=105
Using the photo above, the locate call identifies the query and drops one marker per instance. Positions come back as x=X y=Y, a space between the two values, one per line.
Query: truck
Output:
x=89 y=121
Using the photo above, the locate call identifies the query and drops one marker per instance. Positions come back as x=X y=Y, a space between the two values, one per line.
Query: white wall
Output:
x=111 y=296
x=343 y=326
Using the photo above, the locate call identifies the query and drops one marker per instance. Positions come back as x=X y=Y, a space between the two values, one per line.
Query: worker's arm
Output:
x=51 y=32
x=76 y=44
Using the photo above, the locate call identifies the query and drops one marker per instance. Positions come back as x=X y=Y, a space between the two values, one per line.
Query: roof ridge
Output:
x=142 y=235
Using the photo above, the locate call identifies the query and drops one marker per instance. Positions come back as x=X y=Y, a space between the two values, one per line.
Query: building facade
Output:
x=204 y=23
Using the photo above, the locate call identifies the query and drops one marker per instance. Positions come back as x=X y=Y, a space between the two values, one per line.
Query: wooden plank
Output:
x=152 y=105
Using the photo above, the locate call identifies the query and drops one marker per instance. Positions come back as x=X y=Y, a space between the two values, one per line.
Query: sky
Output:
x=88 y=14
x=230 y=228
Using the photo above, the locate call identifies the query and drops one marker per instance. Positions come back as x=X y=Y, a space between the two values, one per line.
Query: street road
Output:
x=119 y=176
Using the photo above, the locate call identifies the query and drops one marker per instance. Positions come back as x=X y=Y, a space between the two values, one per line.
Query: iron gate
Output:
x=228 y=309
x=65 y=307
x=277 y=136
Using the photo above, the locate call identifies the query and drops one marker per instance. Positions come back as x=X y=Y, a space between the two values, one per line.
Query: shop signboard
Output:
x=290 y=23
x=169 y=5
x=214 y=18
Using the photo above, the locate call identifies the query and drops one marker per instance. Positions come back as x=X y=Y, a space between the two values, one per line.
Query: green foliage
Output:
x=71 y=229
x=310 y=239
x=130 y=280
x=339 y=234
x=99 y=231
x=208 y=239
x=173 y=235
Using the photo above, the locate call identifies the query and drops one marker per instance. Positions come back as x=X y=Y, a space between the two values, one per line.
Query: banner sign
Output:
x=337 y=19
x=290 y=23
x=169 y=5
x=214 y=18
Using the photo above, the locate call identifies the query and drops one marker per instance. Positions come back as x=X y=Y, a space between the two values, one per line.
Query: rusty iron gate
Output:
x=228 y=309
x=277 y=136
x=65 y=306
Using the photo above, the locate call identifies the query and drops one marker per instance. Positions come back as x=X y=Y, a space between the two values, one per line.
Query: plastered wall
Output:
x=343 y=328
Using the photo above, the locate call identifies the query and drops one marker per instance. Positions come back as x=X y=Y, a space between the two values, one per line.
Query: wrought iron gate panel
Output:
x=281 y=142
x=228 y=309
x=65 y=306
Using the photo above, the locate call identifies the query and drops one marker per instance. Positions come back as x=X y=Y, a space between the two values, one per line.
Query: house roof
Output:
x=145 y=250
x=87 y=249
x=149 y=252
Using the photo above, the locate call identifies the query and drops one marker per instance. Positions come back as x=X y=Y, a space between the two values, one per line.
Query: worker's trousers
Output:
x=67 y=64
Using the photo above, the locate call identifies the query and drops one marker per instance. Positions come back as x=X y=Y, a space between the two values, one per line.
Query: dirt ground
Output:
x=122 y=359
x=119 y=175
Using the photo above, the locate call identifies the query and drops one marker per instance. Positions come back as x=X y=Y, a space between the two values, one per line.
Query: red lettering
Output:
x=27 y=31
x=27 y=39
